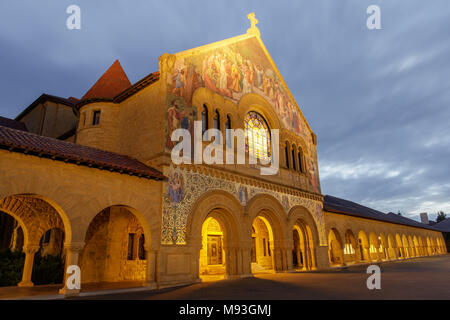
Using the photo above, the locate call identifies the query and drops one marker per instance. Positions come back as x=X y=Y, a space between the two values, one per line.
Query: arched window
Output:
x=258 y=136
x=204 y=119
x=293 y=159
x=300 y=161
x=286 y=155
x=216 y=122
x=228 y=133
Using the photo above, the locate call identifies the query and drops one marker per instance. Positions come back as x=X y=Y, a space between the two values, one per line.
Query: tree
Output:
x=441 y=216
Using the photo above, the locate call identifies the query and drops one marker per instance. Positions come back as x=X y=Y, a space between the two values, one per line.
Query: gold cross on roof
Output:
x=253 y=22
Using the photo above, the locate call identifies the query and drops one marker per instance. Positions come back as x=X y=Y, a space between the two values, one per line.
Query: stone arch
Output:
x=374 y=246
x=416 y=246
x=254 y=102
x=36 y=215
x=421 y=246
x=269 y=209
x=405 y=246
x=117 y=246
x=392 y=246
x=412 y=252
x=350 y=247
x=364 y=246
x=383 y=247
x=228 y=211
x=400 y=250
x=301 y=221
x=335 y=250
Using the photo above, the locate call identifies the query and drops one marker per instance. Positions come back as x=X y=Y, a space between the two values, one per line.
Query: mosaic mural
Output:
x=186 y=187
x=233 y=71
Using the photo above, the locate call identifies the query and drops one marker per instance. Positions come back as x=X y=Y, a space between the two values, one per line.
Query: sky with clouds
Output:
x=378 y=100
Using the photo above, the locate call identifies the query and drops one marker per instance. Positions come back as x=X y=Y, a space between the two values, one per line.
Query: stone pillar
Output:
x=72 y=255
x=152 y=272
x=322 y=257
x=30 y=251
x=367 y=250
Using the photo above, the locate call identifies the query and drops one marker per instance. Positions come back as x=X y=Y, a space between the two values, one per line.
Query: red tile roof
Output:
x=10 y=123
x=30 y=143
x=342 y=206
x=110 y=84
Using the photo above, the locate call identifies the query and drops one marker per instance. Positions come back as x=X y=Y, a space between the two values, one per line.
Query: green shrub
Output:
x=11 y=267
x=47 y=270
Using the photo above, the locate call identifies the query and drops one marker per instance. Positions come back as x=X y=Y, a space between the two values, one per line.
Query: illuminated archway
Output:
x=262 y=245
x=115 y=247
x=350 y=248
x=416 y=246
x=400 y=250
x=374 y=247
x=303 y=252
x=405 y=244
x=335 y=250
x=364 y=246
x=212 y=254
x=391 y=251
x=383 y=248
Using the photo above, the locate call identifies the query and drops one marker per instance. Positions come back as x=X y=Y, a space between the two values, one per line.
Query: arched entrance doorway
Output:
x=262 y=246
x=114 y=248
x=303 y=257
x=212 y=254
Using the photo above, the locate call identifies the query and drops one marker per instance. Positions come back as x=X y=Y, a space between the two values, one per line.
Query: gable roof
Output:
x=13 y=124
x=341 y=206
x=443 y=225
x=33 y=144
x=248 y=35
x=110 y=84
x=70 y=102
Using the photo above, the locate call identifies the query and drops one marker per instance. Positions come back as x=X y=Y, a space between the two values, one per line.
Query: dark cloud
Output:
x=377 y=99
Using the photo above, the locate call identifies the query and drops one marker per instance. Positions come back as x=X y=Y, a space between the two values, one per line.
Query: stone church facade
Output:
x=97 y=173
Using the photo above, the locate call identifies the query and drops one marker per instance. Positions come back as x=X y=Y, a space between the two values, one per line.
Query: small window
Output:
x=300 y=162
x=130 y=255
x=204 y=119
x=216 y=123
x=268 y=248
x=96 y=118
x=228 y=133
x=264 y=247
x=286 y=154
x=293 y=160
x=141 y=247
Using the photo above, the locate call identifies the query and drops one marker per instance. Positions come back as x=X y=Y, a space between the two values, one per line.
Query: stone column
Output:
x=152 y=272
x=72 y=255
x=246 y=260
x=30 y=251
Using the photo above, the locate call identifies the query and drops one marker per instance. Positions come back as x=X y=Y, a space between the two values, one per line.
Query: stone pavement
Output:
x=419 y=278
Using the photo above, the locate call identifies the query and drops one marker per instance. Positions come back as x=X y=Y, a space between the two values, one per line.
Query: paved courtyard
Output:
x=421 y=278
